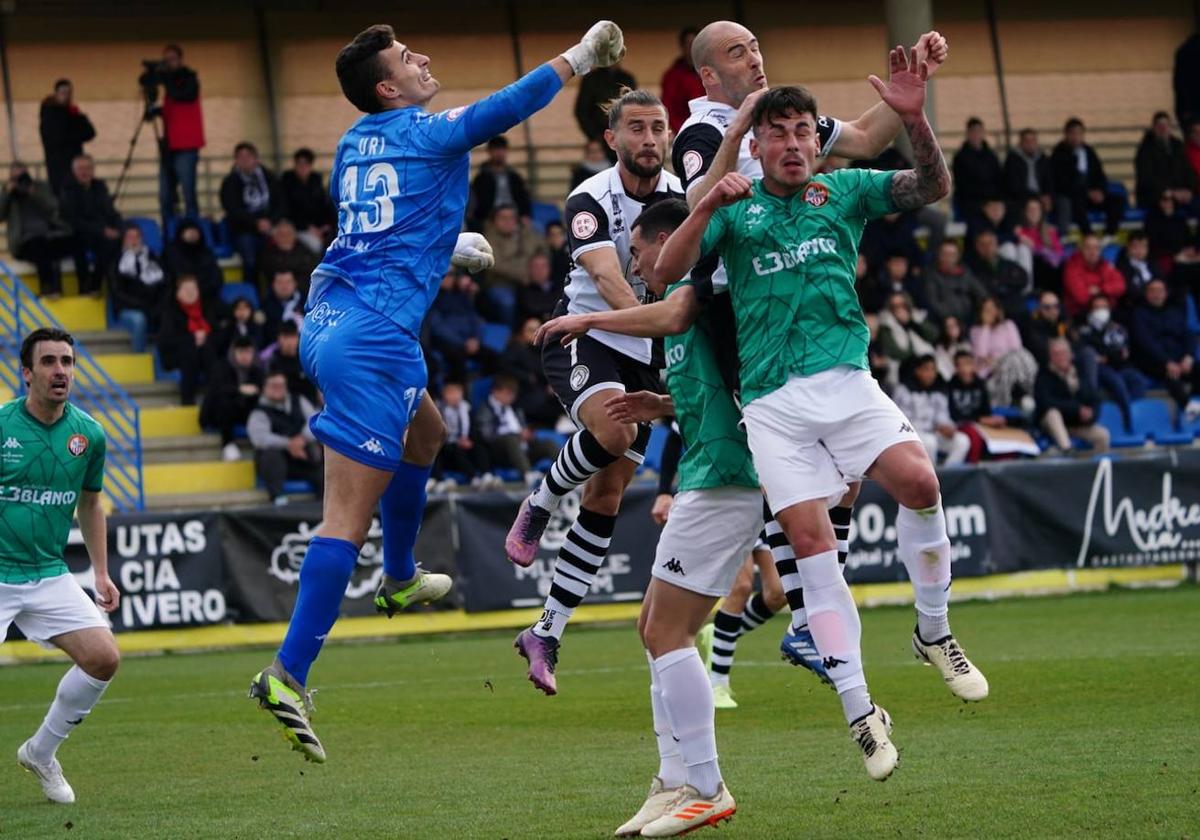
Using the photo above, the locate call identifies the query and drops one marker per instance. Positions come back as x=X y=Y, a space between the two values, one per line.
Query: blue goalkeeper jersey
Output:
x=400 y=183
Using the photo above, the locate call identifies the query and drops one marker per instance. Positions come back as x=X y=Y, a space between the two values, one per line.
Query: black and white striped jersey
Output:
x=599 y=214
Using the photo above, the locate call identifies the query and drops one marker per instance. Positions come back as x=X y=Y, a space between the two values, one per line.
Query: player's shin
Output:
x=77 y=695
x=671 y=772
x=324 y=575
x=401 y=509
x=924 y=549
x=688 y=700
x=580 y=558
x=840 y=516
x=581 y=457
x=836 y=630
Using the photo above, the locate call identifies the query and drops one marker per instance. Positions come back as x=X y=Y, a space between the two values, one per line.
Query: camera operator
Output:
x=64 y=129
x=183 y=128
x=36 y=231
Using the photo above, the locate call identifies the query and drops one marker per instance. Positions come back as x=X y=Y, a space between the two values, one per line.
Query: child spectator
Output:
x=233 y=392
x=924 y=403
x=138 y=288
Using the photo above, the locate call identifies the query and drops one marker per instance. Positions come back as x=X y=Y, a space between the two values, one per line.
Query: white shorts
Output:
x=817 y=432
x=708 y=537
x=47 y=608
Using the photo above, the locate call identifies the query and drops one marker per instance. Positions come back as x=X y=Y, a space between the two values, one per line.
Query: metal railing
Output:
x=95 y=391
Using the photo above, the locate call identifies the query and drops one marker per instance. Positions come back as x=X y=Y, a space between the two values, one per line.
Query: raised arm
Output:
x=726 y=158
x=605 y=270
x=681 y=251
x=904 y=93
x=653 y=320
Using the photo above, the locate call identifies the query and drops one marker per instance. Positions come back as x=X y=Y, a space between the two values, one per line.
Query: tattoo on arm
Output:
x=929 y=180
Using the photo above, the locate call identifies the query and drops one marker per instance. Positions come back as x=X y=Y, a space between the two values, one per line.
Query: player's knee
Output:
x=616 y=438
x=661 y=637
x=739 y=593
x=920 y=489
x=810 y=539
x=774 y=596
x=421 y=446
x=102 y=663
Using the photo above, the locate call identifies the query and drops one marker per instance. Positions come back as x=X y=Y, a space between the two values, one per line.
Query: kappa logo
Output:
x=76 y=445
x=755 y=214
x=579 y=377
x=816 y=194
x=12 y=443
x=906 y=429
x=584 y=225
x=675 y=566
x=831 y=662
x=373 y=446
x=289 y=554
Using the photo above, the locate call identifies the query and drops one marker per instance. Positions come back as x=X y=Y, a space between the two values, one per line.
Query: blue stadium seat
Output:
x=160 y=373
x=1110 y=418
x=544 y=213
x=151 y=233
x=480 y=389
x=654 y=449
x=1153 y=417
x=495 y=336
x=1110 y=252
x=509 y=474
x=232 y=291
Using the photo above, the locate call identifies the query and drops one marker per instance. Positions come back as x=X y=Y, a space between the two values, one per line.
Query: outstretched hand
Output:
x=932 y=51
x=904 y=91
x=570 y=327
x=638 y=407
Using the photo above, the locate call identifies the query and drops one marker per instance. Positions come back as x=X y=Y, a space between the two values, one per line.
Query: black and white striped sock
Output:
x=785 y=565
x=840 y=517
x=726 y=629
x=581 y=457
x=581 y=556
x=756 y=614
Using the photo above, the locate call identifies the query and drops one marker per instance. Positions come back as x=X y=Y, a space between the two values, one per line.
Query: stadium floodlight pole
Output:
x=264 y=55
x=514 y=35
x=994 y=35
x=8 y=100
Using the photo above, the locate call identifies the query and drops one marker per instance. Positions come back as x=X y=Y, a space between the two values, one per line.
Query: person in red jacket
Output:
x=1087 y=274
x=183 y=131
x=681 y=83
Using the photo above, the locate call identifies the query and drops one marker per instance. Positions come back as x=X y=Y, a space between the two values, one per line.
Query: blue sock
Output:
x=324 y=575
x=401 y=511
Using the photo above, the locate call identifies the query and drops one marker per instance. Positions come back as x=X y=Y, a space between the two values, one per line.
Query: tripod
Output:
x=147 y=117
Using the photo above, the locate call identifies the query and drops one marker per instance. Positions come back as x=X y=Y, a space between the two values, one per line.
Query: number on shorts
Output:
x=574 y=345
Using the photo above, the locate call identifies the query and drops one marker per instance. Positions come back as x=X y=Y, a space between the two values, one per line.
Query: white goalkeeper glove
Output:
x=473 y=253
x=602 y=46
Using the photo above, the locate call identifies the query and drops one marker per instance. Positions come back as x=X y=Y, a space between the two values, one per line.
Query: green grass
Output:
x=1090 y=730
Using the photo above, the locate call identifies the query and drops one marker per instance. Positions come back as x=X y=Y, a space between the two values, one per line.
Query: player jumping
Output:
x=52 y=467
x=400 y=184
x=813 y=413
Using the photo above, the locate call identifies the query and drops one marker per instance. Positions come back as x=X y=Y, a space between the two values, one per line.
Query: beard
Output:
x=633 y=165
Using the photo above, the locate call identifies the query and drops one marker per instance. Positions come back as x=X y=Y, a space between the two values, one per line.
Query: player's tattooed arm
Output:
x=929 y=180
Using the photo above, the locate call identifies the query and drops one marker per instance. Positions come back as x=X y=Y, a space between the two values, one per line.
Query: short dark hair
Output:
x=661 y=217
x=1160 y=115
x=239 y=300
x=778 y=102
x=42 y=334
x=1025 y=132
x=1073 y=122
x=628 y=97
x=175 y=48
x=242 y=342
x=1098 y=296
x=964 y=354
x=498 y=142
x=359 y=67
x=186 y=278
x=923 y=359
x=289 y=327
x=500 y=207
x=973 y=122
x=1139 y=235
x=304 y=153
x=686 y=31
x=275 y=370
x=554 y=223
x=504 y=381
x=246 y=146
x=62 y=82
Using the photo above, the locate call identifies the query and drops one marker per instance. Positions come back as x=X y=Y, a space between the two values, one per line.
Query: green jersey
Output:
x=791 y=265
x=42 y=471
x=716 y=453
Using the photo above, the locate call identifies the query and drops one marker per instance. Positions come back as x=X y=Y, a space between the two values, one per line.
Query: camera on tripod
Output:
x=151 y=78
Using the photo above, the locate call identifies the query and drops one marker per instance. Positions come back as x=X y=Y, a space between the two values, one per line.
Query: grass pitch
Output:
x=1090 y=730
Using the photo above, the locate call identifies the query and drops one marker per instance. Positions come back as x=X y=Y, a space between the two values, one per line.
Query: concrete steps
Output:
x=207 y=501
x=174 y=449
x=197 y=477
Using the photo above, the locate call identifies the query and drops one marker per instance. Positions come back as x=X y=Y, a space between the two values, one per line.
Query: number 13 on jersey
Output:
x=366 y=205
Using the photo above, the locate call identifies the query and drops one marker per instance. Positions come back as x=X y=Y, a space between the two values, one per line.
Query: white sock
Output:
x=836 y=629
x=670 y=762
x=716 y=679
x=924 y=549
x=76 y=696
x=687 y=698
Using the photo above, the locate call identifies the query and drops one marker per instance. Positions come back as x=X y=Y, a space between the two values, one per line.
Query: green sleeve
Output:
x=93 y=479
x=874 y=192
x=714 y=234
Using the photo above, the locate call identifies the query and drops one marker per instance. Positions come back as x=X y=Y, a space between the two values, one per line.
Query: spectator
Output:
x=233 y=391
x=1162 y=346
x=1027 y=174
x=560 y=257
x=903 y=336
x=253 y=202
x=459 y=454
x=881 y=366
x=512 y=244
x=1004 y=279
x=64 y=129
x=285 y=251
x=891 y=234
x=188 y=253
x=1134 y=265
x=538 y=298
x=1104 y=353
x=1162 y=166
x=138 y=288
x=994 y=216
x=309 y=206
x=952 y=340
x=927 y=408
x=596 y=90
x=88 y=209
x=1080 y=184
x=1045 y=247
x=934 y=220
x=594 y=160
x=1192 y=148
x=970 y=406
x=498 y=185
x=523 y=362
x=185 y=330
x=1187 y=80
x=500 y=427
x=1066 y=403
x=36 y=230
x=243 y=322
x=282 y=303
x=681 y=83
x=1046 y=324
x=978 y=176
x=951 y=288
x=284 y=356
x=1173 y=251
x=895 y=276
x=1002 y=360
x=455 y=327
x=183 y=131
x=284 y=446
x=1087 y=273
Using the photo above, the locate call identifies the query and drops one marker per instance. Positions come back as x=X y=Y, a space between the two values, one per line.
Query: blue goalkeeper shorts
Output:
x=372 y=375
